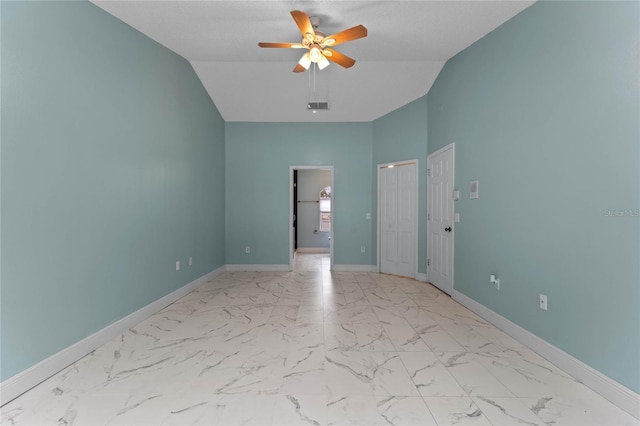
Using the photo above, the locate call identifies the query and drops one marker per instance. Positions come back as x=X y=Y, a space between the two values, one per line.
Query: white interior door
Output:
x=388 y=188
x=440 y=175
x=397 y=211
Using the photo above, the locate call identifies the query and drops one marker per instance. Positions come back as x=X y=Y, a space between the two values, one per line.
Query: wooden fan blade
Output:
x=302 y=19
x=286 y=45
x=352 y=33
x=299 y=68
x=339 y=58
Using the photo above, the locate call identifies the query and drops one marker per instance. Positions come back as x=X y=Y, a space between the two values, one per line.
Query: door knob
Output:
x=448 y=229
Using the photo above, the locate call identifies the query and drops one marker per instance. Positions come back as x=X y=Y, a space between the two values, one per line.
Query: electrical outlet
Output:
x=177 y=265
x=493 y=279
x=247 y=249
x=362 y=249
x=543 y=302
x=190 y=261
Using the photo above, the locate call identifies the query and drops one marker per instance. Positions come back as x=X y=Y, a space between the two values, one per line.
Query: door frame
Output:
x=333 y=209
x=451 y=146
x=379 y=167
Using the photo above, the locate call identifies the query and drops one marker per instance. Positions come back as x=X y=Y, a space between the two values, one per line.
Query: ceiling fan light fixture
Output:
x=305 y=61
x=315 y=54
x=323 y=62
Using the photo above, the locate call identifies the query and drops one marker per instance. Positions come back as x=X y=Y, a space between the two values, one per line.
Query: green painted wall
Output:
x=545 y=112
x=112 y=170
x=115 y=162
x=258 y=157
x=398 y=136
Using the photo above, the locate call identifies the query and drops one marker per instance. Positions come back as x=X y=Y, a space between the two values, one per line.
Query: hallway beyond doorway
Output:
x=312 y=262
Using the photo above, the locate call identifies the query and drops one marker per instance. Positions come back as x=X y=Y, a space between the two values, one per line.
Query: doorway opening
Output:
x=311 y=211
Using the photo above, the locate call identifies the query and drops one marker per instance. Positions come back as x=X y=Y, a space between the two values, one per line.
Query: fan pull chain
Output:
x=312 y=92
x=314 y=81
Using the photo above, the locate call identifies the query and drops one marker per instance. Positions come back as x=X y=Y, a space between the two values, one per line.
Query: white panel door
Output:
x=388 y=220
x=398 y=198
x=406 y=213
x=440 y=175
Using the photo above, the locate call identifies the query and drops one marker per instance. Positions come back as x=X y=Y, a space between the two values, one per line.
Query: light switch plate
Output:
x=474 y=189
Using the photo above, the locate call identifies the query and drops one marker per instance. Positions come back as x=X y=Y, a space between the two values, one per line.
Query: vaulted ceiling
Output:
x=407 y=46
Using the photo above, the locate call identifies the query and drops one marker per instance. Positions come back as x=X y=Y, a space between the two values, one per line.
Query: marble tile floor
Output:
x=311 y=347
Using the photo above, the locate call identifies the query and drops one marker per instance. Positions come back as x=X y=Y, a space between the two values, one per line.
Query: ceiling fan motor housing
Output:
x=315 y=21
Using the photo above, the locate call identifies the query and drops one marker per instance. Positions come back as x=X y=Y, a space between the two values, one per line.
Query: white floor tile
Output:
x=294 y=410
x=430 y=375
x=405 y=411
x=388 y=374
x=354 y=410
x=507 y=411
x=569 y=412
x=473 y=377
x=459 y=411
x=312 y=347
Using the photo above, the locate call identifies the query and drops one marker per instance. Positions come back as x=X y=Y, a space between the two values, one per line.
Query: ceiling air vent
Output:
x=314 y=106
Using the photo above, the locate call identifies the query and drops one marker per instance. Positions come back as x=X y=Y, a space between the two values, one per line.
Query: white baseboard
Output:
x=421 y=277
x=355 y=268
x=313 y=250
x=257 y=268
x=618 y=394
x=25 y=380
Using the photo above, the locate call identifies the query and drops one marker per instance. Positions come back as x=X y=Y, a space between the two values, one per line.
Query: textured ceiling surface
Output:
x=407 y=45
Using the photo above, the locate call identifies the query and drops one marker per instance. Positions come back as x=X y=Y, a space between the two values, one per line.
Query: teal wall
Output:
x=398 y=136
x=115 y=163
x=545 y=112
x=258 y=157
x=112 y=170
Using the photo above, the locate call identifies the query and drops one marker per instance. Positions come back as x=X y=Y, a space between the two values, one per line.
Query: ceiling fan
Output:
x=319 y=45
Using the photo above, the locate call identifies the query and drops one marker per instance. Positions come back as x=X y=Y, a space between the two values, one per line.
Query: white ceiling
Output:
x=407 y=45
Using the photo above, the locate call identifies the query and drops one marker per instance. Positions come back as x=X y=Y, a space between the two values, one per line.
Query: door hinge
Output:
x=428 y=172
x=428 y=216
x=428 y=262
